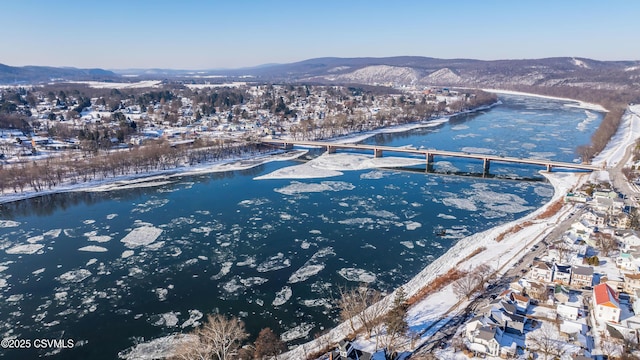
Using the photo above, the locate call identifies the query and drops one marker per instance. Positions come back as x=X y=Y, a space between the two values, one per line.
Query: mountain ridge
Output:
x=396 y=71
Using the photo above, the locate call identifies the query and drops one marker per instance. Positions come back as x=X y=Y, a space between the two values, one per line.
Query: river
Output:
x=110 y=269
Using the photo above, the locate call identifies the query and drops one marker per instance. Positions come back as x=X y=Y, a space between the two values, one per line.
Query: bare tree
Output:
x=218 y=338
x=466 y=285
x=485 y=273
x=545 y=342
x=563 y=250
x=268 y=344
x=606 y=243
x=361 y=306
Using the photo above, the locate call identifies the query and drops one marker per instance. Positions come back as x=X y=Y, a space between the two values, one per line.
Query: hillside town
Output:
x=579 y=298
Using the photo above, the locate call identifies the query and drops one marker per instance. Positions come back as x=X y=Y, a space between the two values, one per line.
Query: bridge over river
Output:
x=430 y=154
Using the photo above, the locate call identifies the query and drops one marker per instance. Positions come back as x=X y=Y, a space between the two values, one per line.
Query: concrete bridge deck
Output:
x=431 y=153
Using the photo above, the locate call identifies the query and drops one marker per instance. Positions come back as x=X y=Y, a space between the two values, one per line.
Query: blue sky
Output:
x=191 y=34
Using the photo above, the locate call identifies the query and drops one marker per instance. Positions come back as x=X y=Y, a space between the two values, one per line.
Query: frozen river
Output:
x=271 y=244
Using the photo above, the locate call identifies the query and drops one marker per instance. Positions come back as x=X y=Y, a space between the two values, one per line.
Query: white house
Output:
x=606 y=305
x=628 y=261
x=568 y=311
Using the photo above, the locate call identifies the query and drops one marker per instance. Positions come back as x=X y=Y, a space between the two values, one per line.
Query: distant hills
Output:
x=401 y=70
x=43 y=74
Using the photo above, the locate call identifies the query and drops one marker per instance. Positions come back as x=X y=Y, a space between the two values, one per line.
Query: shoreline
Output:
x=581 y=104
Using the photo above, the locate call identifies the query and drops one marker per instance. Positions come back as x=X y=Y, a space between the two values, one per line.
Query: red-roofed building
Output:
x=605 y=303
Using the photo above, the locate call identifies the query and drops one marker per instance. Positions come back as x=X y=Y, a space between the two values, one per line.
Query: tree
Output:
x=267 y=344
x=218 y=338
x=361 y=306
x=545 y=341
x=395 y=322
x=466 y=285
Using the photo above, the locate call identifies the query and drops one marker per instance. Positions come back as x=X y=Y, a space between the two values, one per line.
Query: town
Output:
x=169 y=125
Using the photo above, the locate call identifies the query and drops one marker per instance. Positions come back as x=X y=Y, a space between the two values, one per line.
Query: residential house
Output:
x=484 y=339
x=575 y=197
x=620 y=221
x=521 y=302
x=562 y=274
x=594 y=219
x=561 y=294
x=347 y=351
x=629 y=240
x=538 y=291
x=567 y=311
x=606 y=305
x=631 y=282
x=628 y=261
x=636 y=302
x=541 y=271
x=603 y=204
x=581 y=230
x=581 y=276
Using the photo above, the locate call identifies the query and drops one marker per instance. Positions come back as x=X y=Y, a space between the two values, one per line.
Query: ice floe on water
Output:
x=446 y=216
x=150 y=205
x=329 y=165
x=161 y=348
x=53 y=233
x=298 y=332
x=358 y=275
x=25 y=249
x=168 y=319
x=93 y=248
x=407 y=244
x=8 y=223
x=74 y=276
x=282 y=296
x=35 y=239
x=224 y=270
x=477 y=150
x=297 y=187
x=91 y=262
x=161 y=293
x=458 y=203
x=257 y=202
x=141 y=236
x=412 y=225
x=305 y=272
x=126 y=254
x=194 y=316
x=273 y=263
x=99 y=238
x=374 y=175
x=89 y=222
x=111 y=216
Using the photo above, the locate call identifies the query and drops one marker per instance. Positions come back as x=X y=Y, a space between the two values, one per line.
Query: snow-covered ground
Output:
x=580 y=104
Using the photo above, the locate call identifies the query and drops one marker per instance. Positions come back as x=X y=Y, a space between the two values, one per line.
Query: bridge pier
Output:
x=429 y=157
x=287 y=146
x=377 y=153
x=331 y=149
x=485 y=166
x=549 y=167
